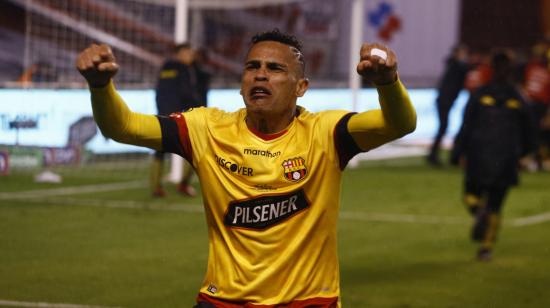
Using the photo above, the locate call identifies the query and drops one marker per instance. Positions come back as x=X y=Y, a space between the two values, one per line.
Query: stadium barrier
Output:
x=62 y=135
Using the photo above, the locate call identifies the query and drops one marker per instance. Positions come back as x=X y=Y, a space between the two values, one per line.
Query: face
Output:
x=186 y=56
x=462 y=53
x=272 y=80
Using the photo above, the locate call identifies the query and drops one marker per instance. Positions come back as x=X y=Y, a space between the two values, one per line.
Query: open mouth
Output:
x=259 y=92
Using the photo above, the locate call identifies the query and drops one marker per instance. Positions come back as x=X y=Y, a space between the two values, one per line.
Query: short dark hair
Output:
x=502 y=65
x=277 y=36
x=501 y=59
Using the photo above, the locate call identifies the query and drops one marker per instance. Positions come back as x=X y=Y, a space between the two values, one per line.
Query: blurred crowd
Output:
x=470 y=69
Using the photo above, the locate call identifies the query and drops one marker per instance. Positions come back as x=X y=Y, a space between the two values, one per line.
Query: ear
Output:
x=301 y=87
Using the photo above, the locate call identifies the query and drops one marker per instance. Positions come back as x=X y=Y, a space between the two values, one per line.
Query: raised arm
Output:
x=98 y=65
x=397 y=117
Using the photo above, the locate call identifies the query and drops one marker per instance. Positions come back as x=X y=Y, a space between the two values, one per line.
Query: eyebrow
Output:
x=252 y=62
x=269 y=64
x=276 y=65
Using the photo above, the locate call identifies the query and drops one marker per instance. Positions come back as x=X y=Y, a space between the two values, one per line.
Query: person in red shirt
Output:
x=536 y=88
x=480 y=72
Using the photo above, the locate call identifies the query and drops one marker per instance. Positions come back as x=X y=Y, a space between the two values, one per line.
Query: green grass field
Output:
x=403 y=241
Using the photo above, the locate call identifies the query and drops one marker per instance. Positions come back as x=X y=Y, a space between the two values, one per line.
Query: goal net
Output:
x=53 y=105
x=141 y=32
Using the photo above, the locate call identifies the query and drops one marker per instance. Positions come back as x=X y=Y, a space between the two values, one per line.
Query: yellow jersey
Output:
x=271 y=203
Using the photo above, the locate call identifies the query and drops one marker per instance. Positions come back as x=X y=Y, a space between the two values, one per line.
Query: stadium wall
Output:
x=54 y=111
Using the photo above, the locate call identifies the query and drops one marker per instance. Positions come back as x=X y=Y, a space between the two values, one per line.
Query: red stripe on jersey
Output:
x=317 y=302
x=183 y=135
x=267 y=136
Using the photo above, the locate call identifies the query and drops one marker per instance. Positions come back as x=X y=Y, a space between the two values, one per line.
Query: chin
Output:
x=252 y=108
x=257 y=105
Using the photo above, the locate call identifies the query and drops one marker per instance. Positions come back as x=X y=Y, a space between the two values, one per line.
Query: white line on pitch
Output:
x=198 y=208
x=40 y=193
x=423 y=219
x=44 y=305
x=531 y=220
x=122 y=204
x=32 y=195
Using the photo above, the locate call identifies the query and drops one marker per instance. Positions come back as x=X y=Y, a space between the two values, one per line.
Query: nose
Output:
x=261 y=74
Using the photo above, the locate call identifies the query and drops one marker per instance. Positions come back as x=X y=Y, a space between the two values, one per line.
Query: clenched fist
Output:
x=377 y=64
x=97 y=64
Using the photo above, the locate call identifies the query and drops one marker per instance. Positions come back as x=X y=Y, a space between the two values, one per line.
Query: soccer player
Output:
x=496 y=132
x=179 y=88
x=271 y=171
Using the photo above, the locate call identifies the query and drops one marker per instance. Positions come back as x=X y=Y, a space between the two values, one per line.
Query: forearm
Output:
x=395 y=119
x=117 y=121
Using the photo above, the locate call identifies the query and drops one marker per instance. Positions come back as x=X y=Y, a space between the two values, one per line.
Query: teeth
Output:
x=260 y=91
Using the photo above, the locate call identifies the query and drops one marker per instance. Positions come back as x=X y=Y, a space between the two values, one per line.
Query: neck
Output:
x=271 y=124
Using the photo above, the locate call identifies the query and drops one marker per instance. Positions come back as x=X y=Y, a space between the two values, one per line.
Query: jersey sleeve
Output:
x=118 y=122
x=175 y=135
x=342 y=146
x=394 y=119
x=346 y=147
x=184 y=133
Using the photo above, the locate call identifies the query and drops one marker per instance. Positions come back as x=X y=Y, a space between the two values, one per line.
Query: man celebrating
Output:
x=271 y=171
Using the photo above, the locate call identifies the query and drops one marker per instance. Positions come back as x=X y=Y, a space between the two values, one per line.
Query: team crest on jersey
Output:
x=294 y=169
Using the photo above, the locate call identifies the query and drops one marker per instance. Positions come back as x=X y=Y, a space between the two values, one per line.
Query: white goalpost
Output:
x=181 y=35
x=141 y=33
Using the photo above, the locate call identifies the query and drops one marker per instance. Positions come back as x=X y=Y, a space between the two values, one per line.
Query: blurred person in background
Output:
x=204 y=74
x=479 y=72
x=182 y=85
x=40 y=72
x=270 y=172
x=450 y=85
x=496 y=132
x=536 y=87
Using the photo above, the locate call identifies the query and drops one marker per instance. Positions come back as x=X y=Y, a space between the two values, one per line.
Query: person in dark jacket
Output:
x=496 y=133
x=204 y=74
x=449 y=87
x=182 y=85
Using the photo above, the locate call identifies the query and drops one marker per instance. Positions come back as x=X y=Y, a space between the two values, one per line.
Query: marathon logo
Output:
x=265 y=153
x=264 y=212
x=233 y=167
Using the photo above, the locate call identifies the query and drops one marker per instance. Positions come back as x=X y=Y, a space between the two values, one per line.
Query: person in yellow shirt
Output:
x=270 y=172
